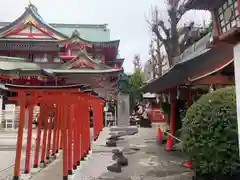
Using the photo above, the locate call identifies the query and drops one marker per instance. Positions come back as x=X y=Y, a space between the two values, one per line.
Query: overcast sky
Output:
x=125 y=18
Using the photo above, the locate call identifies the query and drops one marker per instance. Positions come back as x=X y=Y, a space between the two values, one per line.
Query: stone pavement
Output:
x=54 y=170
x=150 y=162
x=8 y=141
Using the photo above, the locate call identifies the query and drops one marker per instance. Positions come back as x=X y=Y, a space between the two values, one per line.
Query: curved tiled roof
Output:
x=204 y=4
x=32 y=10
x=76 y=35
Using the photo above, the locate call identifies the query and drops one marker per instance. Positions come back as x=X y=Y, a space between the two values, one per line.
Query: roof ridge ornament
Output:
x=76 y=33
x=32 y=7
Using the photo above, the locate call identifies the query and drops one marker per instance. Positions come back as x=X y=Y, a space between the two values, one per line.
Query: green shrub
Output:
x=209 y=133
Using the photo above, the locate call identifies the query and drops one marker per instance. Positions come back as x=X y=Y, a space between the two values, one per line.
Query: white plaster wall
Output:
x=237 y=82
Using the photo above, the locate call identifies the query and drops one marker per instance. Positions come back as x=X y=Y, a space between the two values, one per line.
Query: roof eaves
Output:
x=79 y=71
x=74 y=35
x=9 y=25
x=203 y=4
x=37 y=16
x=94 y=26
x=177 y=70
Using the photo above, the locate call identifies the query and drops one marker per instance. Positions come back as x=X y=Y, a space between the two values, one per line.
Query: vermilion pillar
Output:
x=84 y=128
x=95 y=120
x=50 y=124
x=169 y=143
x=29 y=140
x=70 y=135
x=55 y=126
x=46 y=116
x=58 y=127
x=88 y=140
x=76 y=149
x=20 y=136
x=101 y=114
x=65 y=142
x=38 y=139
x=81 y=132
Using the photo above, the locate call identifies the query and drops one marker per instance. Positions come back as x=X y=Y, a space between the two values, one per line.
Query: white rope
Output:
x=174 y=137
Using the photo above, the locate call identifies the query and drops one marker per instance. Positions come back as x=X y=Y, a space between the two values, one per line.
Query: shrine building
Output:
x=35 y=53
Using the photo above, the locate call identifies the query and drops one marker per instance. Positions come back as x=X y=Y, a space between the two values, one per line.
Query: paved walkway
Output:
x=149 y=163
x=8 y=141
x=54 y=170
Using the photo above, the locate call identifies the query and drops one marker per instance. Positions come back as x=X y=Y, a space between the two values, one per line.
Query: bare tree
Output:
x=137 y=62
x=168 y=33
x=156 y=58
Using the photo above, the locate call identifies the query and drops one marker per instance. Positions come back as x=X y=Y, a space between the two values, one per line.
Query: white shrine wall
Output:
x=237 y=84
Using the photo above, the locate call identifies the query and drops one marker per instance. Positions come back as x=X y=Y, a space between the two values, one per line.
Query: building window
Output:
x=37 y=58
x=31 y=57
x=40 y=58
x=228 y=16
x=56 y=59
x=45 y=58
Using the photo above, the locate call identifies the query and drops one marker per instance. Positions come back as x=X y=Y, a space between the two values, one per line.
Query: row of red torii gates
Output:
x=67 y=109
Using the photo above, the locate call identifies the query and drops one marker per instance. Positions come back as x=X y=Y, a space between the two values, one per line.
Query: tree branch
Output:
x=186 y=32
x=181 y=11
x=165 y=30
x=157 y=33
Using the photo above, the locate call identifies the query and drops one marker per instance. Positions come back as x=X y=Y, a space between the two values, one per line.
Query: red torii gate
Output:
x=70 y=104
x=97 y=105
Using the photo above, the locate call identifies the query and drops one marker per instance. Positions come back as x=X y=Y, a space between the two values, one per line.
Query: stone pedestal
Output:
x=123 y=108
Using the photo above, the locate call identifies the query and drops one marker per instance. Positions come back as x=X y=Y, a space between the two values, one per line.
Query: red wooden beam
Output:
x=212 y=68
x=214 y=79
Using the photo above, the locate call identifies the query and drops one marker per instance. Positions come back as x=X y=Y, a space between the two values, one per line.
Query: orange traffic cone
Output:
x=187 y=164
x=159 y=137
x=169 y=143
